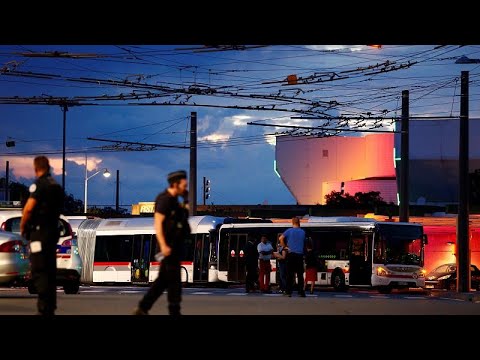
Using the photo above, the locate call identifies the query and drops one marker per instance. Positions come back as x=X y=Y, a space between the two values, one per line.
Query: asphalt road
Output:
x=233 y=301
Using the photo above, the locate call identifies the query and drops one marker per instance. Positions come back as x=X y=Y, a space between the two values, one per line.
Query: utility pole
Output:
x=7 y=180
x=65 y=109
x=405 y=159
x=117 y=193
x=192 y=194
x=463 y=246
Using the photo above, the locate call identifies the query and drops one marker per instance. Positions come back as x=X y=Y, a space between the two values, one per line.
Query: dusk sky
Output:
x=347 y=80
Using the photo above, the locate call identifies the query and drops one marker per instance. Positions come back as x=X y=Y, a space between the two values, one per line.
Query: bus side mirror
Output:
x=425 y=239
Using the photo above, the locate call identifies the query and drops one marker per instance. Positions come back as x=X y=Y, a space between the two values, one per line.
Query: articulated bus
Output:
x=351 y=252
x=122 y=250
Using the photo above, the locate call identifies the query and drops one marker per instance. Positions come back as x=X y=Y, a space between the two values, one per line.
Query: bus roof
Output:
x=144 y=225
x=326 y=222
x=353 y=219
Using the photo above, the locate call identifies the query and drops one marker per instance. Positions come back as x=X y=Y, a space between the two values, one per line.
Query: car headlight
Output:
x=445 y=277
x=422 y=273
x=382 y=271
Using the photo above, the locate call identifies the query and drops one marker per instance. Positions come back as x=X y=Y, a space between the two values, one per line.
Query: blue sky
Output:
x=237 y=158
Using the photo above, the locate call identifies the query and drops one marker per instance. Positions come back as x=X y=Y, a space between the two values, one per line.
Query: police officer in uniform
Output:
x=39 y=224
x=171 y=229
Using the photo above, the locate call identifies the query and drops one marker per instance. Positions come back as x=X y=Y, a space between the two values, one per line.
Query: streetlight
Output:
x=106 y=174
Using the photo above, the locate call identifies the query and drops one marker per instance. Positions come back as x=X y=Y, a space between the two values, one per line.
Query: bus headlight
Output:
x=382 y=271
x=422 y=273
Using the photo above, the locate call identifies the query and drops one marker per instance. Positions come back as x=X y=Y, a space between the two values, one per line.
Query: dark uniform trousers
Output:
x=169 y=279
x=294 y=267
x=44 y=268
x=252 y=275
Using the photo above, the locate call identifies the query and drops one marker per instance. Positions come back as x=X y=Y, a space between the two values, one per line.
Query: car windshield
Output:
x=398 y=244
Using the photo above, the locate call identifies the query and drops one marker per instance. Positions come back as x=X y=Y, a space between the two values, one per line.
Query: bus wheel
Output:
x=338 y=280
x=385 y=290
x=32 y=289
x=71 y=288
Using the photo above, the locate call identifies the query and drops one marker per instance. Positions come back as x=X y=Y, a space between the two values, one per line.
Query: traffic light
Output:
x=206 y=190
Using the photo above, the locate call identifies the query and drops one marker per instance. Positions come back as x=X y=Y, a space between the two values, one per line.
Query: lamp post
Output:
x=106 y=174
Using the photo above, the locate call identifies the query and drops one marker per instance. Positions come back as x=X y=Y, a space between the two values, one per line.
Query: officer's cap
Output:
x=176 y=176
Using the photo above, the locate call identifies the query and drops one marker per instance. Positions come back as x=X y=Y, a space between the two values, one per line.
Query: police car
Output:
x=69 y=262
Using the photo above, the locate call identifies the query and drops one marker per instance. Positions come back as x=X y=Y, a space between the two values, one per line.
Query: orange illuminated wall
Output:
x=310 y=167
x=441 y=246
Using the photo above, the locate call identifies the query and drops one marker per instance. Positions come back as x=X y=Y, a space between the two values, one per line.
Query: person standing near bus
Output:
x=311 y=272
x=39 y=225
x=281 y=256
x=295 y=240
x=171 y=229
x=251 y=265
x=265 y=251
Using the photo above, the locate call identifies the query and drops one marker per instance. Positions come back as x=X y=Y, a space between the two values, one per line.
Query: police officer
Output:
x=171 y=229
x=40 y=225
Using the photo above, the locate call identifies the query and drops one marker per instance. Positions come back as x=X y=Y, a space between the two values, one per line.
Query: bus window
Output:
x=113 y=248
x=330 y=245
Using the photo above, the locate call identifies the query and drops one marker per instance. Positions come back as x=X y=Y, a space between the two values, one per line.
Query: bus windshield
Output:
x=398 y=244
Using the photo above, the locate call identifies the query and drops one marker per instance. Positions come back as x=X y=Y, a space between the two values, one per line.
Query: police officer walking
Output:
x=171 y=229
x=39 y=225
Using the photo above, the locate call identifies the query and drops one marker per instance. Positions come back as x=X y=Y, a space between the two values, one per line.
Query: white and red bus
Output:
x=122 y=250
x=351 y=252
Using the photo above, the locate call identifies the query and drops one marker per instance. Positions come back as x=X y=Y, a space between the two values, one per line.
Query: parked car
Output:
x=14 y=262
x=445 y=277
x=69 y=262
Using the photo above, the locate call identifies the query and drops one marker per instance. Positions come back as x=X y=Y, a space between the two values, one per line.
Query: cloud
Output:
x=22 y=166
x=215 y=137
x=336 y=47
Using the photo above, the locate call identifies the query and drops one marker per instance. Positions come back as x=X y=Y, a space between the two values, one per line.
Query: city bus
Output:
x=122 y=250
x=351 y=252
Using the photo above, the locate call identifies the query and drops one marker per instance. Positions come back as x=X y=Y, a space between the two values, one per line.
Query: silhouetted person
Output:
x=311 y=273
x=265 y=251
x=295 y=239
x=171 y=229
x=251 y=265
x=281 y=256
x=39 y=224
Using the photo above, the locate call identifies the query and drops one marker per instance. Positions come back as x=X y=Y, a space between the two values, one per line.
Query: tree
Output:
x=18 y=191
x=337 y=199
x=107 y=212
x=72 y=205
x=359 y=200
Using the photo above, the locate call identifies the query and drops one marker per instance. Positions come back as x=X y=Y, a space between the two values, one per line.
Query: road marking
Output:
x=415 y=297
x=236 y=294
x=93 y=291
x=131 y=292
x=379 y=297
x=202 y=293
x=273 y=294
x=311 y=295
x=457 y=299
x=343 y=296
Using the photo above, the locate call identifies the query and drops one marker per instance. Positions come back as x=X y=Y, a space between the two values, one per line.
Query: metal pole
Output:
x=65 y=109
x=192 y=195
x=117 y=193
x=463 y=248
x=86 y=186
x=405 y=159
x=7 y=180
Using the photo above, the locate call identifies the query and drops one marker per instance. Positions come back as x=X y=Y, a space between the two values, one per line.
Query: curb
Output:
x=471 y=297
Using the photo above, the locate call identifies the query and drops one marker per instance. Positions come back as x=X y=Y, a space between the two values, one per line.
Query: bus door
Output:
x=201 y=254
x=236 y=257
x=361 y=259
x=141 y=258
